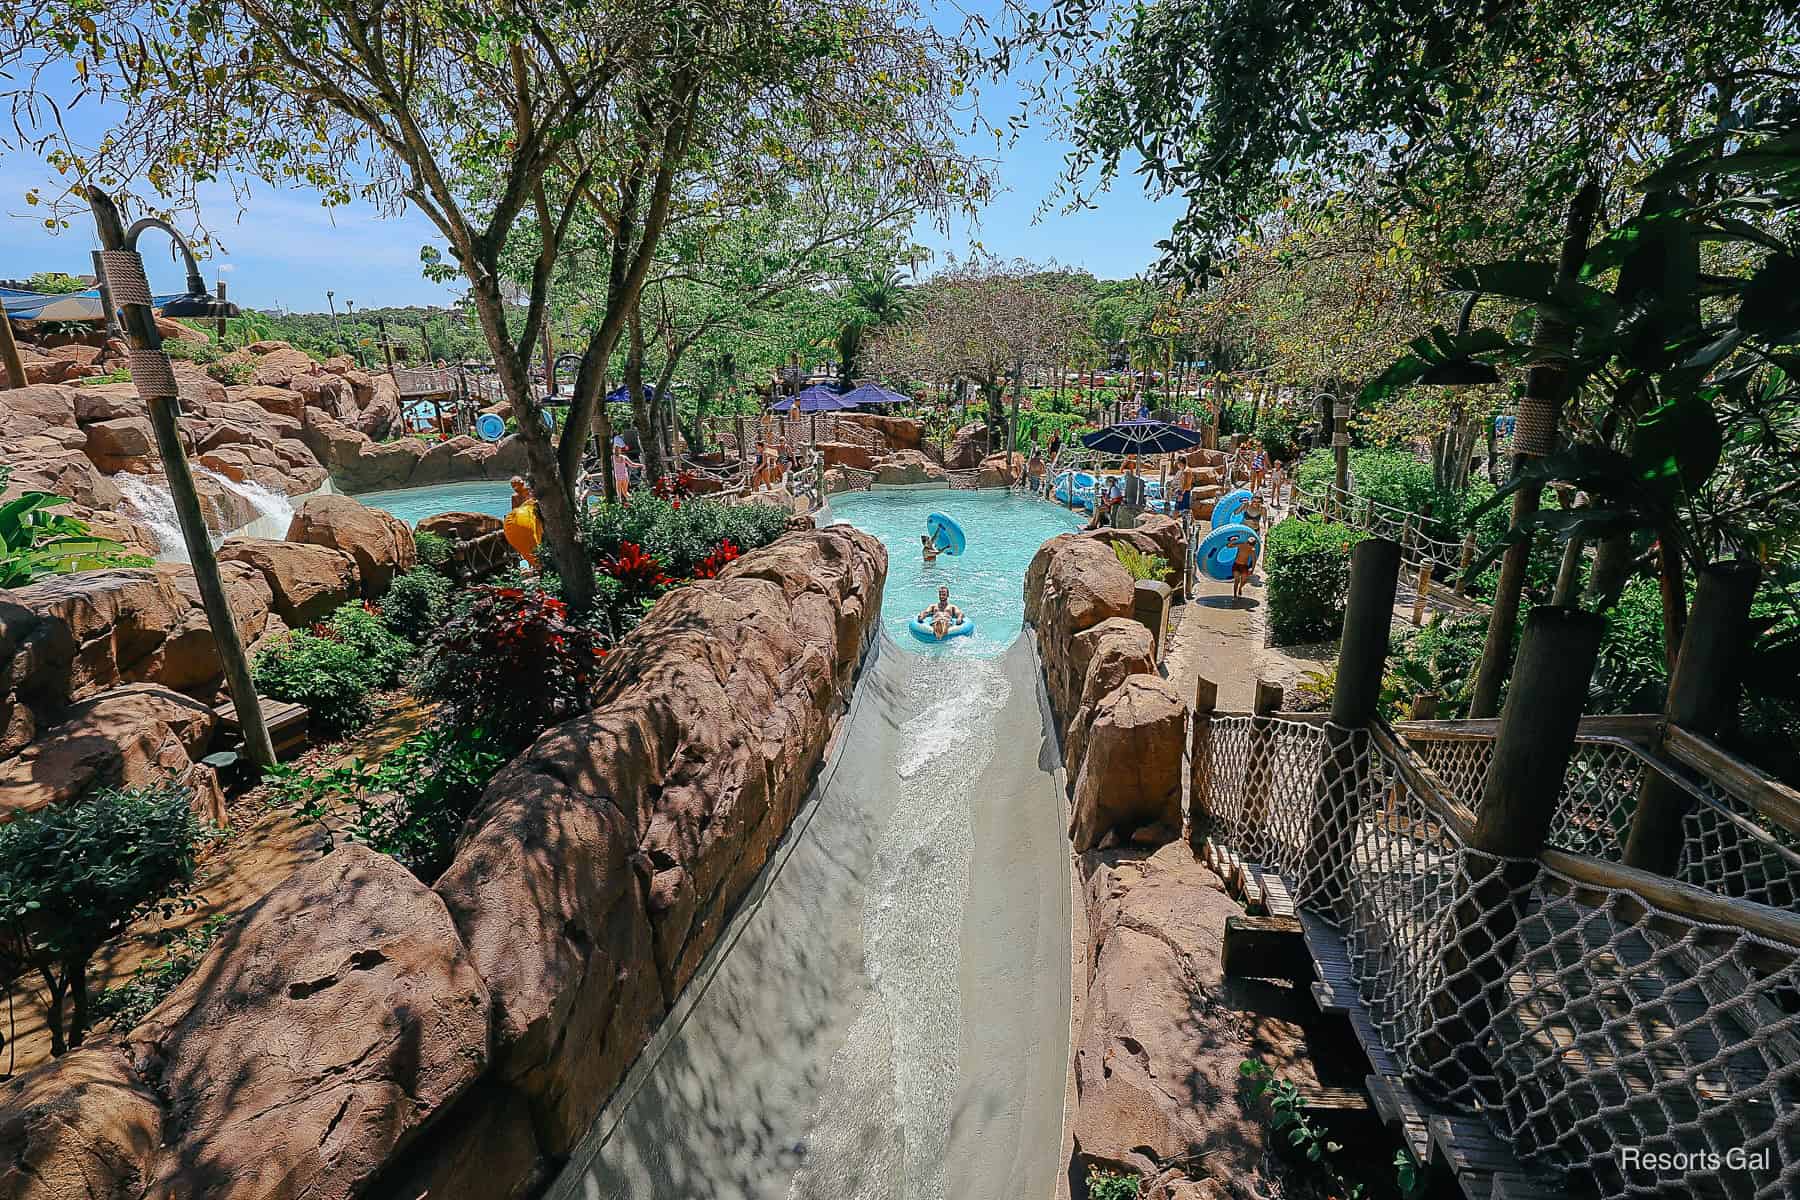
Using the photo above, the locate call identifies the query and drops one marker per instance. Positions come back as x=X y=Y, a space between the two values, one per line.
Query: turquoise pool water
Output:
x=411 y=505
x=987 y=581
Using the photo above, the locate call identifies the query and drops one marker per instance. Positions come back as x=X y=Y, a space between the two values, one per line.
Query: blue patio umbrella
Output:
x=1141 y=437
x=815 y=399
x=622 y=395
x=869 y=395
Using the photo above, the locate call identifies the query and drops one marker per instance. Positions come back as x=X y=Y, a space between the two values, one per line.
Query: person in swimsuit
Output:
x=942 y=616
x=621 y=469
x=522 y=529
x=931 y=552
x=1240 y=567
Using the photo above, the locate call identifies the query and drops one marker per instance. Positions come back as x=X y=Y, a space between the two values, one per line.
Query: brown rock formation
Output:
x=1073 y=583
x=81 y=1126
x=1130 y=772
x=307 y=581
x=460 y=526
x=901 y=433
x=967 y=448
x=122 y=738
x=379 y=542
x=317 y=1039
x=1105 y=655
x=908 y=466
x=847 y=454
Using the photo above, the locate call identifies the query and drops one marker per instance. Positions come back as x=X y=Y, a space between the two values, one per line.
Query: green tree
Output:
x=75 y=874
x=874 y=302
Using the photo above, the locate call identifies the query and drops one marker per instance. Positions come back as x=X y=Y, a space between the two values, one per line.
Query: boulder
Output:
x=967 y=448
x=103 y=627
x=195 y=386
x=847 y=454
x=122 y=444
x=1130 y=772
x=322 y=1033
x=1202 y=457
x=1073 y=583
x=377 y=467
x=1105 y=656
x=188 y=659
x=900 y=433
x=1157 y=1041
x=908 y=467
x=603 y=863
x=35 y=408
x=267 y=346
x=278 y=367
x=323 y=391
x=65 y=472
x=126 y=737
x=226 y=433
x=307 y=582
x=78 y=353
x=82 y=1126
x=271 y=424
x=281 y=400
x=380 y=543
x=107 y=402
x=170 y=328
x=460 y=526
x=996 y=470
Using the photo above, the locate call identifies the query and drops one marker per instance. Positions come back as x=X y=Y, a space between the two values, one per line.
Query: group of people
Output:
x=942 y=616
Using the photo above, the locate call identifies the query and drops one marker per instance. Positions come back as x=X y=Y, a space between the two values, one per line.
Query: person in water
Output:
x=943 y=615
x=522 y=529
x=931 y=552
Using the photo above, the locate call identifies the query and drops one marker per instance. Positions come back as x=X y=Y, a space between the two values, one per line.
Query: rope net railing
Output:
x=1412 y=530
x=1595 y=1027
x=1729 y=846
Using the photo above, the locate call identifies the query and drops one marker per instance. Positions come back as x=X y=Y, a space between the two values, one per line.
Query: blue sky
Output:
x=285 y=249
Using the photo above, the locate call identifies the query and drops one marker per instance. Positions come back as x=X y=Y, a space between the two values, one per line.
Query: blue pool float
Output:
x=1084 y=488
x=1218 y=552
x=923 y=632
x=1230 y=509
x=489 y=427
x=945 y=533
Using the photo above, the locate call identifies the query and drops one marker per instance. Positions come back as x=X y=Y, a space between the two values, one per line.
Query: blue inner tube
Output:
x=923 y=632
x=945 y=533
x=1218 y=552
x=1230 y=509
x=489 y=427
x=1084 y=488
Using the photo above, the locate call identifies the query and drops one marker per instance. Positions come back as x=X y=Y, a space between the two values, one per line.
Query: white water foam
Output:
x=866 y=1146
x=155 y=508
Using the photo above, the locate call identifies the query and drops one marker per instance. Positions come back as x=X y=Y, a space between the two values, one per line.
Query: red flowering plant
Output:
x=674 y=487
x=640 y=573
x=710 y=566
x=512 y=664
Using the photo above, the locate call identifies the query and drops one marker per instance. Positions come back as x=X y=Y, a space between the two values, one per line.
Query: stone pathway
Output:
x=1220 y=638
x=264 y=846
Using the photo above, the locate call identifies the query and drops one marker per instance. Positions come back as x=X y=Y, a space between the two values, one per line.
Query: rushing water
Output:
x=986 y=581
x=155 y=509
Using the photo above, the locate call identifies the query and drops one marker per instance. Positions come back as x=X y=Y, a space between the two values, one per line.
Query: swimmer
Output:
x=930 y=551
x=943 y=615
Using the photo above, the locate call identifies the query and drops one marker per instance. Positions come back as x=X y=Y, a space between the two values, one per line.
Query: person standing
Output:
x=621 y=469
x=521 y=528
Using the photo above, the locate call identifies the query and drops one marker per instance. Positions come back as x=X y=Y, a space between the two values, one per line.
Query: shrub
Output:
x=1278 y=428
x=412 y=805
x=326 y=675
x=416 y=604
x=1442 y=658
x=154 y=978
x=381 y=651
x=433 y=549
x=73 y=875
x=512 y=664
x=678 y=534
x=204 y=353
x=1631 y=671
x=1111 y=1185
x=231 y=372
x=1140 y=565
x=1307 y=564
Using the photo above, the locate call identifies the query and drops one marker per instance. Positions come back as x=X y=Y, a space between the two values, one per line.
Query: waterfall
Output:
x=155 y=509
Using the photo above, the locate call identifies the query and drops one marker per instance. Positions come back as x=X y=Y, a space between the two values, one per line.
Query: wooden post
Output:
x=1421 y=594
x=152 y=378
x=220 y=327
x=1355 y=702
x=1263 y=708
x=1703 y=696
x=1206 y=702
x=9 y=353
x=107 y=307
x=1518 y=804
x=1462 y=567
x=1424 y=707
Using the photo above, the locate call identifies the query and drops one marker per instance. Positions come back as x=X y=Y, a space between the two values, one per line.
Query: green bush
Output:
x=412 y=805
x=416 y=604
x=1441 y=658
x=326 y=675
x=231 y=372
x=433 y=549
x=1307 y=565
x=1278 y=428
x=512 y=664
x=75 y=874
x=203 y=353
x=1139 y=565
x=382 y=651
x=1040 y=425
x=681 y=535
x=154 y=978
x=1631 y=672
x=1111 y=1185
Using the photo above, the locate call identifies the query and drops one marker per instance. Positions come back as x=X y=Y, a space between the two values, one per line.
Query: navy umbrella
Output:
x=1141 y=437
x=870 y=394
x=815 y=399
x=621 y=395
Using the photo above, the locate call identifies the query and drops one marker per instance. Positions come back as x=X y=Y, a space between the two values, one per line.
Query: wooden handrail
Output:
x=1771 y=798
x=1635 y=727
x=1680 y=899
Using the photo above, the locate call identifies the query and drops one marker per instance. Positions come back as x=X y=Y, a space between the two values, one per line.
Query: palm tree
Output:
x=874 y=302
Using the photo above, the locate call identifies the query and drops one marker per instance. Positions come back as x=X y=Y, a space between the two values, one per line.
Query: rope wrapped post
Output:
x=1355 y=703
x=1496 y=870
x=1703 y=694
x=1206 y=702
x=155 y=382
x=1462 y=566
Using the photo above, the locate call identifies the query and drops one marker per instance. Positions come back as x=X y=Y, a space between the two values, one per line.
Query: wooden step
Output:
x=1277 y=900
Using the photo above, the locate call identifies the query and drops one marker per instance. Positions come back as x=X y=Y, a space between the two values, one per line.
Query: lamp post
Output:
x=155 y=382
x=331 y=303
x=355 y=343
